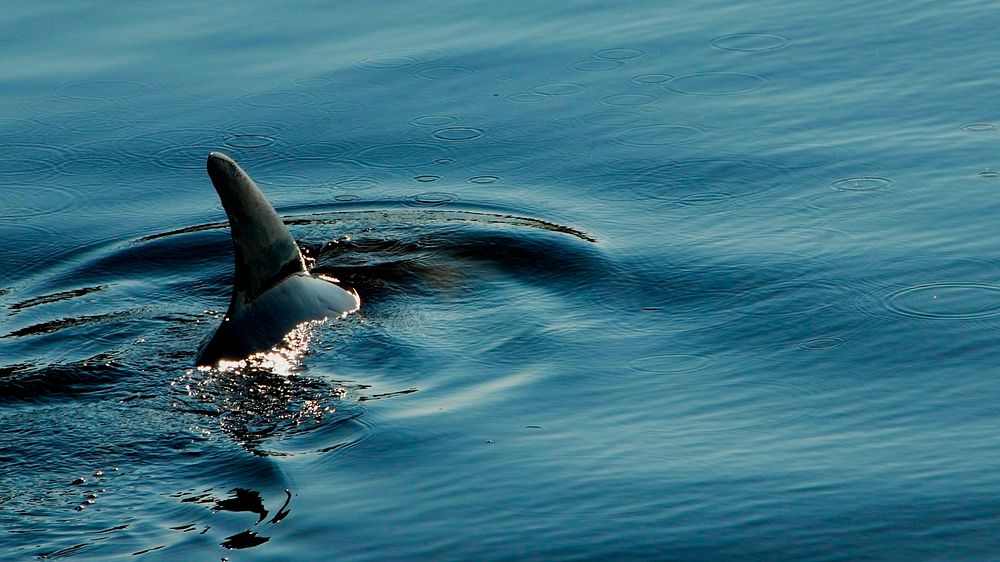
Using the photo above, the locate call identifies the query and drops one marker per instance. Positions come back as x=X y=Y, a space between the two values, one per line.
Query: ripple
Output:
x=400 y=155
x=356 y=183
x=318 y=150
x=401 y=58
x=669 y=363
x=19 y=160
x=560 y=89
x=821 y=343
x=597 y=65
x=344 y=198
x=652 y=78
x=483 y=179
x=105 y=89
x=458 y=133
x=433 y=120
x=844 y=200
x=795 y=297
x=750 y=42
x=717 y=84
x=248 y=141
x=619 y=53
x=445 y=72
x=281 y=99
x=427 y=178
x=659 y=135
x=946 y=301
x=989 y=174
x=627 y=100
x=980 y=127
x=804 y=156
x=94 y=124
x=527 y=97
x=434 y=198
x=610 y=118
x=22 y=201
x=862 y=183
x=69 y=106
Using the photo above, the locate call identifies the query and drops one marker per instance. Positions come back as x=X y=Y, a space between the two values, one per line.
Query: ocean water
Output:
x=639 y=281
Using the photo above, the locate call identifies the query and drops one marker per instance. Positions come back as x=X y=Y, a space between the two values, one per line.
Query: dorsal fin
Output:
x=265 y=251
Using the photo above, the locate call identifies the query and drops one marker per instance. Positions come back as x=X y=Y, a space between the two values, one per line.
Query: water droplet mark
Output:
x=527 y=97
x=821 y=343
x=717 y=84
x=652 y=78
x=627 y=100
x=445 y=72
x=618 y=53
x=597 y=65
x=458 y=133
x=980 y=127
x=669 y=363
x=433 y=120
x=862 y=183
x=946 y=301
x=427 y=178
x=659 y=135
x=105 y=89
x=989 y=174
x=483 y=179
x=248 y=141
x=434 y=198
x=750 y=42
x=401 y=58
x=560 y=89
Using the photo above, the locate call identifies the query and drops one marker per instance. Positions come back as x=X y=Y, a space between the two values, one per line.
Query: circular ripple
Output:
x=458 y=133
x=652 y=78
x=427 y=178
x=610 y=118
x=483 y=179
x=19 y=160
x=980 y=127
x=845 y=200
x=434 y=198
x=627 y=100
x=659 y=135
x=989 y=174
x=597 y=65
x=946 y=301
x=68 y=106
x=94 y=124
x=400 y=155
x=619 y=54
x=821 y=343
x=750 y=42
x=356 y=183
x=669 y=363
x=433 y=120
x=105 y=89
x=527 y=97
x=717 y=84
x=861 y=183
x=282 y=99
x=20 y=201
x=560 y=89
x=248 y=141
x=445 y=72
x=346 y=197
x=401 y=58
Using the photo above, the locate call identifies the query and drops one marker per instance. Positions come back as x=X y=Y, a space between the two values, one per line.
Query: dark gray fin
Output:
x=265 y=251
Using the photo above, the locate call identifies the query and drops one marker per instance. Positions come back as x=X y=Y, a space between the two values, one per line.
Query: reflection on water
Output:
x=695 y=282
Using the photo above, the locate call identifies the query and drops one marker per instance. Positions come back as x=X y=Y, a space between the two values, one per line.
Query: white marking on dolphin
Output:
x=273 y=291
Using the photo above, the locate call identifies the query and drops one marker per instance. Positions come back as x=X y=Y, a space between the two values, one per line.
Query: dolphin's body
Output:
x=273 y=291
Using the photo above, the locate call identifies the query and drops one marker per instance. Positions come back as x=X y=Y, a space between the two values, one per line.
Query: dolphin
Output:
x=273 y=291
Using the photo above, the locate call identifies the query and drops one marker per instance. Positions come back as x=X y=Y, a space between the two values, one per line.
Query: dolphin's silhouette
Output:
x=273 y=291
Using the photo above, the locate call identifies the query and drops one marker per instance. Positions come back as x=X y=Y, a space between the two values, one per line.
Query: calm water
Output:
x=666 y=281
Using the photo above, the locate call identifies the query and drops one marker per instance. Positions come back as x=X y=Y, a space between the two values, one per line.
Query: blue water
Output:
x=648 y=281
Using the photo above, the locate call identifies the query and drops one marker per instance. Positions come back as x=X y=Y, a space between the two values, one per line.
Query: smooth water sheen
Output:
x=646 y=280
